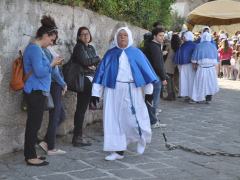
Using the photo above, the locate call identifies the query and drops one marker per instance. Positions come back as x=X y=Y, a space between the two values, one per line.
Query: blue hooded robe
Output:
x=184 y=53
x=205 y=50
x=142 y=71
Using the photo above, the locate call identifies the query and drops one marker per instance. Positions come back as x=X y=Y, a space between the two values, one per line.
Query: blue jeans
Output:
x=156 y=101
x=156 y=94
x=56 y=115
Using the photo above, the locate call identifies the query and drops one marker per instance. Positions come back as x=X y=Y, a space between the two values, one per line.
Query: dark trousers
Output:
x=152 y=113
x=83 y=99
x=35 y=108
x=56 y=115
x=170 y=87
x=209 y=98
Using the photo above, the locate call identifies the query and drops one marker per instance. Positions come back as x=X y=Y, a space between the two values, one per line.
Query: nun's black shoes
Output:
x=36 y=162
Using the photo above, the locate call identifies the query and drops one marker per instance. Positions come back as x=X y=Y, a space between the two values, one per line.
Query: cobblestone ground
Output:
x=214 y=127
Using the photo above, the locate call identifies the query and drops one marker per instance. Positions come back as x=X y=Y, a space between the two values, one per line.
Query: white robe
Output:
x=205 y=81
x=186 y=77
x=120 y=126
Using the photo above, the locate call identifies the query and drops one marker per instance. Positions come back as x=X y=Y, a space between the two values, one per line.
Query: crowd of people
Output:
x=128 y=79
x=226 y=57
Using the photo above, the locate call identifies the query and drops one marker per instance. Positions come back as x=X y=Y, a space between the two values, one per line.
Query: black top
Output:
x=154 y=54
x=85 y=56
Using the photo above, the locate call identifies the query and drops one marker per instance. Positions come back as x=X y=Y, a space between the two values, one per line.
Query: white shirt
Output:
x=124 y=69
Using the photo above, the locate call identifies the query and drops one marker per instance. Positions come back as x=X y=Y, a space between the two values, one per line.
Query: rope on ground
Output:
x=171 y=147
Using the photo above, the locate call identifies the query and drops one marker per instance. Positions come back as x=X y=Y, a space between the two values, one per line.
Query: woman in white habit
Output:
x=204 y=59
x=123 y=78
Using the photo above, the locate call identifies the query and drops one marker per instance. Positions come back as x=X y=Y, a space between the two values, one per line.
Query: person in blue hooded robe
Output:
x=183 y=59
x=205 y=29
x=205 y=60
x=123 y=78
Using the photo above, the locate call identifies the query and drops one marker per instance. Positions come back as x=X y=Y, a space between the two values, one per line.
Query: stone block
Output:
x=89 y=173
x=129 y=174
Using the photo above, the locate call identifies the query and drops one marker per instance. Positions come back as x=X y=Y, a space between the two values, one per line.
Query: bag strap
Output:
x=26 y=76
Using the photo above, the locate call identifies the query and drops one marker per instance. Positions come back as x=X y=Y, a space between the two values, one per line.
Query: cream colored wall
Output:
x=230 y=29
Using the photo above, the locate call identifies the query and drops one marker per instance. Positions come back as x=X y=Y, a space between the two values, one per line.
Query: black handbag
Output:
x=73 y=76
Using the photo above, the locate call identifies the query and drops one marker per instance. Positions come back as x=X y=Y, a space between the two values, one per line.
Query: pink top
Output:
x=225 y=55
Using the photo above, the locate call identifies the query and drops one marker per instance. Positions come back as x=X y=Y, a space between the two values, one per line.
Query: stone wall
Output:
x=18 y=18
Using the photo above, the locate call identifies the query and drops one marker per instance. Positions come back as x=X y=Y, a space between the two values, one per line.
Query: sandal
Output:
x=43 y=145
x=41 y=158
x=42 y=163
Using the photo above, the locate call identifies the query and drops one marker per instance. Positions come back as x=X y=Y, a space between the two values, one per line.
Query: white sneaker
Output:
x=162 y=125
x=55 y=152
x=156 y=125
x=113 y=156
x=158 y=111
x=141 y=147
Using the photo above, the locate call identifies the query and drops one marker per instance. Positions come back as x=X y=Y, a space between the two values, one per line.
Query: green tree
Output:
x=141 y=13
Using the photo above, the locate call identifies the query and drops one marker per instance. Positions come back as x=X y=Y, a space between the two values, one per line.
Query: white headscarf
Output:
x=206 y=37
x=222 y=36
x=130 y=38
x=206 y=27
x=188 y=36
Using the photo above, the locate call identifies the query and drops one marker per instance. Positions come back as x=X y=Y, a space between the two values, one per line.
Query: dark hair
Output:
x=206 y=29
x=175 y=42
x=236 y=33
x=156 y=24
x=48 y=27
x=147 y=36
x=155 y=31
x=55 y=40
x=80 y=31
x=225 y=45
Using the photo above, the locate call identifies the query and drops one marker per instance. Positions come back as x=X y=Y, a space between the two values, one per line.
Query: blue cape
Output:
x=142 y=71
x=199 y=40
x=205 y=50
x=184 y=53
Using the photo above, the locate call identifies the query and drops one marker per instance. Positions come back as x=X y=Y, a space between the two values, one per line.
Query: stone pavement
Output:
x=214 y=127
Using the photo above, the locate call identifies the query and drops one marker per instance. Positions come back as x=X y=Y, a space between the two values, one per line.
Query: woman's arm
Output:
x=36 y=57
x=56 y=76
